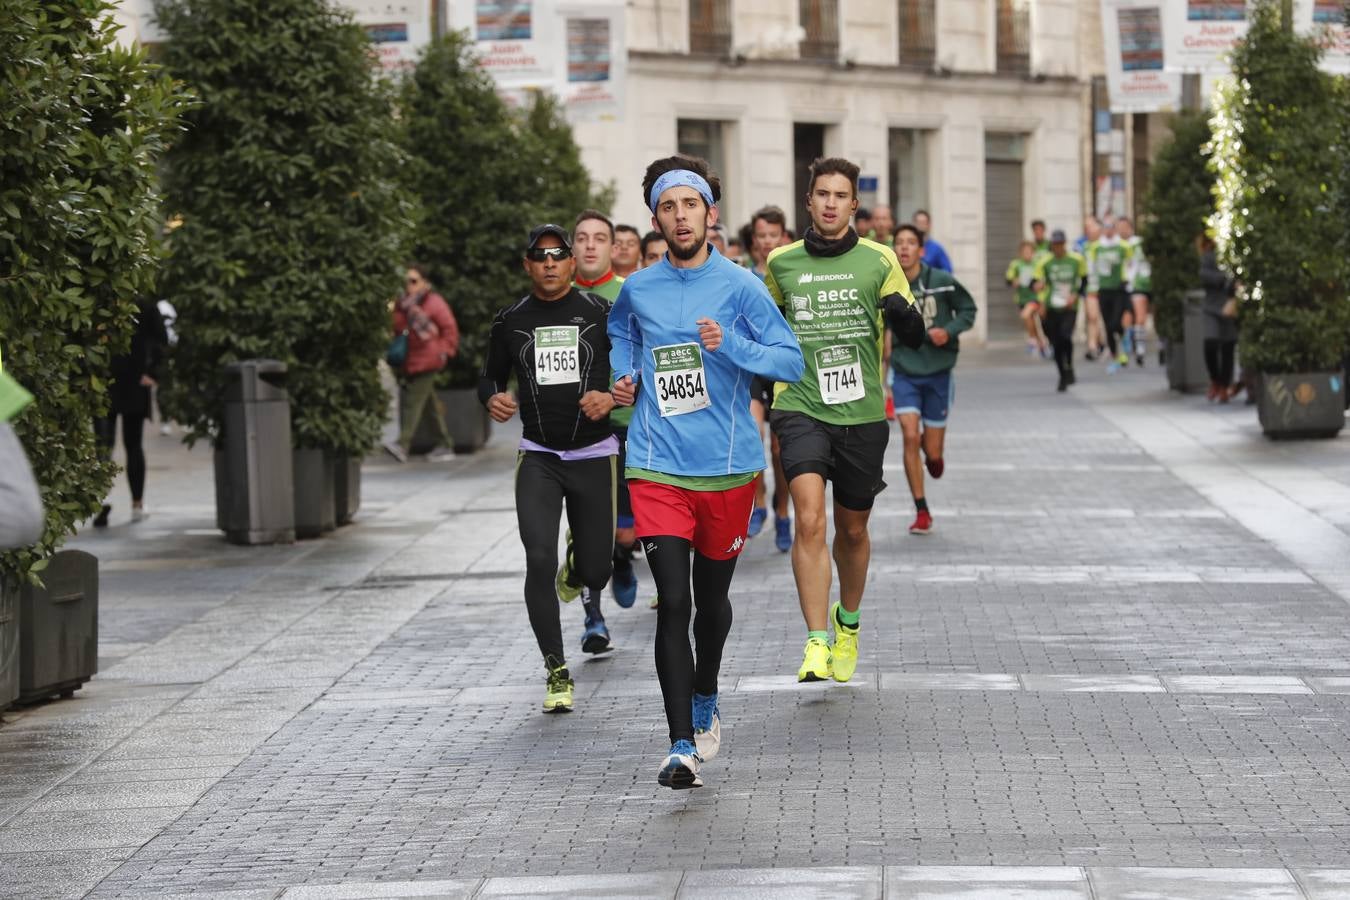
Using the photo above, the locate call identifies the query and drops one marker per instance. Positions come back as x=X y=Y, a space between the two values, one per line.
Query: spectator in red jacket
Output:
x=433 y=340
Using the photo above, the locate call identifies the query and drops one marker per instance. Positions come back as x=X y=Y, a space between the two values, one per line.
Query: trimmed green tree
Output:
x=1178 y=204
x=83 y=123
x=292 y=218
x=1277 y=152
x=483 y=175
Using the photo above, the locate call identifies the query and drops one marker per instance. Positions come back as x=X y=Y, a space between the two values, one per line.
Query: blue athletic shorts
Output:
x=927 y=396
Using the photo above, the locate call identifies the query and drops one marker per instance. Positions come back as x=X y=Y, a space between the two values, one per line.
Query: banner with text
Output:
x=1325 y=21
x=1198 y=34
x=515 y=39
x=593 y=74
x=1132 y=34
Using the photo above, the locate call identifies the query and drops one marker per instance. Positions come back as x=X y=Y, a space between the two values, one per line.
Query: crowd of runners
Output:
x=650 y=369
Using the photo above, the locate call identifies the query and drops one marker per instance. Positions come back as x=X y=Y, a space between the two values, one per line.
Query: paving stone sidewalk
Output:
x=1102 y=673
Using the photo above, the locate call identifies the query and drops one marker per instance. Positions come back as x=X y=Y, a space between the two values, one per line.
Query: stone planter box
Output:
x=1301 y=406
x=9 y=644
x=315 y=508
x=58 y=628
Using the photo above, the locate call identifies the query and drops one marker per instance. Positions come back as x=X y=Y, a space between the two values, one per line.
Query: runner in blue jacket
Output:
x=686 y=336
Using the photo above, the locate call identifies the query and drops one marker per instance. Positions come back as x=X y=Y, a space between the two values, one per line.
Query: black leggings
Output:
x=543 y=484
x=105 y=430
x=1114 y=302
x=1059 y=329
x=1219 y=360
x=680 y=677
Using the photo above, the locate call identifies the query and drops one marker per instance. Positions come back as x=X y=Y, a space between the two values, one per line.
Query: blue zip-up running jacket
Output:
x=660 y=306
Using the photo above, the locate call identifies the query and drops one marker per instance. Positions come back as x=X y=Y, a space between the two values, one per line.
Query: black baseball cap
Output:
x=556 y=230
x=1057 y=236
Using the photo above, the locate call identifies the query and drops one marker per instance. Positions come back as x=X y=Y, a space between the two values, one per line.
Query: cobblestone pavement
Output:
x=1120 y=666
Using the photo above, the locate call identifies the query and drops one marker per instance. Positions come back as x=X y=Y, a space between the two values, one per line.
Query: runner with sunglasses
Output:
x=554 y=341
x=688 y=334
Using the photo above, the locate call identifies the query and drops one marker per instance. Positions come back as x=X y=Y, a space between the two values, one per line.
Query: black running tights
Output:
x=676 y=669
x=133 y=426
x=1059 y=329
x=543 y=484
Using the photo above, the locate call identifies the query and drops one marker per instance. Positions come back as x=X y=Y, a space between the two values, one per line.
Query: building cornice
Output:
x=648 y=62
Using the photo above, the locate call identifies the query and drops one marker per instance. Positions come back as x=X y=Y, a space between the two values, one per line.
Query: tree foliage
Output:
x=484 y=175
x=83 y=123
x=1177 y=205
x=293 y=218
x=1278 y=150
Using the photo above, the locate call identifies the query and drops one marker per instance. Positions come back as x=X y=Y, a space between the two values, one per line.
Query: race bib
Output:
x=681 y=385
x=840 y=374
x=555 y=355
x=1105 y=265
x=1059 y=296
x=1025 y=278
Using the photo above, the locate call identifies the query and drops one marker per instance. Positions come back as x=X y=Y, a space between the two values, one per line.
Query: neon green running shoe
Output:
x=844 y=653
x=568 y=590
x=815 y=661
x=558 y=696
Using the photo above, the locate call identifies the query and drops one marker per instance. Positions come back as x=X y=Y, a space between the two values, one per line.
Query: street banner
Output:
x=516 y=40
x=1198 y=34
x=1324 y=21
x=593 y=69
x=1132 y=34
x=399 y=29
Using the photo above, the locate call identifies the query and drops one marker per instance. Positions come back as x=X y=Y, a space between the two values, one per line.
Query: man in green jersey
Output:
x=1139 y=286
x=922 y=384
x=1019 y=276
x=768 y=226
x=1106 y=259
x=1060 y=280
x=1038 y=238
x=593 y=243
x=837 y=291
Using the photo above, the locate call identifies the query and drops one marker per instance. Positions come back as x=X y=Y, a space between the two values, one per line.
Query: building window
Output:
x=918 y=34
x=820 y=21
x=705 y=138
x=1014 y=37
x=908 y=172
x=710 y=27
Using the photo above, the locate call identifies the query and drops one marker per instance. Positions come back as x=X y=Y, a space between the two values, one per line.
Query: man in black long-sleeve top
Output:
x=554 y=341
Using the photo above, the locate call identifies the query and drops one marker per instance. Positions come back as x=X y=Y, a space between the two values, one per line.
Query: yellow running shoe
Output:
x=844 y=653
x=815 y=661
x=568 y=587
x=558 y=698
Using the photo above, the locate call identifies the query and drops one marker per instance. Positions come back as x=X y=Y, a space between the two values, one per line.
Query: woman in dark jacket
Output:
x=133 y=375
x=1221 y=331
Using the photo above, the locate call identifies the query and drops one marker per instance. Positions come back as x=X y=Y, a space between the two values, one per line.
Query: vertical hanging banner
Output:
x=1325 y=22
x=514 y=39
x=592 y=71
x=399 y=29
x=1132 y=34
x=1199 y=33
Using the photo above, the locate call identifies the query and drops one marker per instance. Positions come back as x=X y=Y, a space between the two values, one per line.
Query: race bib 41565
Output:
x=555 y=355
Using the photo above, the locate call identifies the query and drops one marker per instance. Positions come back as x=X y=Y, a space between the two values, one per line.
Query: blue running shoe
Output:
x=757 y=517
x=624 y=583
x=595 y=639
x=1127 y=343
x=679 y=769
x=707 y=726
x=1112 y=367
x=783 y=539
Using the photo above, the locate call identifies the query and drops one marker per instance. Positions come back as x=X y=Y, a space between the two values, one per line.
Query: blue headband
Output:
x=677 y=178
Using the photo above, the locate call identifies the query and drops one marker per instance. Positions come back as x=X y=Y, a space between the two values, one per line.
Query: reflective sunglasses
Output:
x=539 y=254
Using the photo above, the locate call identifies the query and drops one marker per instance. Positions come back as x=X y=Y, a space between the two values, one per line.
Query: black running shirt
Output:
x=558 y=350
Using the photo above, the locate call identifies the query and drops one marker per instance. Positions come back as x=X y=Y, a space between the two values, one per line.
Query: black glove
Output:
x=905 y=320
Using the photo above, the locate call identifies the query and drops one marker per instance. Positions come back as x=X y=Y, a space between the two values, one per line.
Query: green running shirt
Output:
x=1062 y=277
x=1021 y=273
x=620 y=416
x=1106 y=259
x=833 y=303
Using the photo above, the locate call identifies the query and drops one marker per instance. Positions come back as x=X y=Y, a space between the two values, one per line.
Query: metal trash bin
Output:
x=1196 y=375
x=255 y=501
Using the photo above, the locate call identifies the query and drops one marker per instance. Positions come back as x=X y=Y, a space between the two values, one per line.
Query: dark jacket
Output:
x=127 y=395
x=1219 y=288
x=946 y=304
